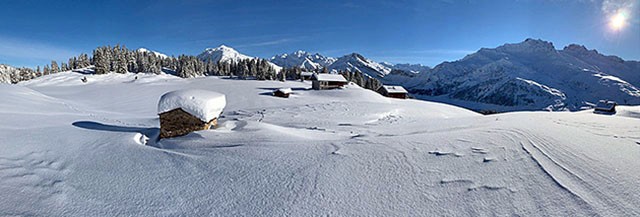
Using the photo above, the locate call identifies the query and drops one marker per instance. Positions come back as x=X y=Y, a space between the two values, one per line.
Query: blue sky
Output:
x=399 y=31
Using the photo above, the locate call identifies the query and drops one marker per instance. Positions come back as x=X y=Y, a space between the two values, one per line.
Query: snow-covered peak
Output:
x=225 y=53
x=302 y=59
x=158 y=54
x=222 y=53
x=356 y=62
x=301 y=53
x=580 y=50
x=528 y=46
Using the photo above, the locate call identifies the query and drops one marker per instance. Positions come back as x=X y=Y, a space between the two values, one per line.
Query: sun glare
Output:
x=618 y=21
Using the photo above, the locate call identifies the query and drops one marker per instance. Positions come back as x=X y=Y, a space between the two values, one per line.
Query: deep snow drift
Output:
x=74 y=149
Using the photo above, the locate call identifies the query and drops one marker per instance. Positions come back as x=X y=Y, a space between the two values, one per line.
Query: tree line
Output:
x=119 y=59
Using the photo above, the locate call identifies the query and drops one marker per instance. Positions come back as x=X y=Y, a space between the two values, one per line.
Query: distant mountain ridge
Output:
x=303 y=59
x=531 y=75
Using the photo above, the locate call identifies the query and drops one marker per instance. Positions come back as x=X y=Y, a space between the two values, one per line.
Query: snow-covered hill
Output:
x=77 y=149
x=224 y=53
x=158 y=54
x=303 y=60
x=531 y=75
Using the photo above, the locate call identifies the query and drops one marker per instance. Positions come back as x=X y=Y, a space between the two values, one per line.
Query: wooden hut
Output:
x=328 y=81
x=605 y=107
x=185 y=111
x=393 y=91
x=282 y=92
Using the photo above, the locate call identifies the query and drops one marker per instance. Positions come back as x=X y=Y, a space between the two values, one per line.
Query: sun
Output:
x=618 y=21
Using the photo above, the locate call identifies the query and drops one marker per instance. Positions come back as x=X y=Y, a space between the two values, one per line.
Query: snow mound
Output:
x=203 y=104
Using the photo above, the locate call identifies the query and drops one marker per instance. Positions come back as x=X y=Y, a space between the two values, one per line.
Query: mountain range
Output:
x=530 y=75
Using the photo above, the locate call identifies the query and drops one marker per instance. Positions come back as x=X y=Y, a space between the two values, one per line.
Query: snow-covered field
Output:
x=69 y=148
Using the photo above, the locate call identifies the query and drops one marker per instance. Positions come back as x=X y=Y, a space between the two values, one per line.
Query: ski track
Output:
x=535 y=146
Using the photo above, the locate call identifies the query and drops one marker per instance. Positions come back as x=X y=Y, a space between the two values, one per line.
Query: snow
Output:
x=5 y=73
x=285 y=90
x=158 y=54
x=394 y=89
x=530 y=75
x=78 y=149
x=329 y=77
x=356 y=62
x=203 y=104
x=302 y=59
x=225 y=53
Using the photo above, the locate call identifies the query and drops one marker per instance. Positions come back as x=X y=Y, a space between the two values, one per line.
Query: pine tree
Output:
x=100 y=61
x=120 y=60
x=46 y=70
x=54 y=67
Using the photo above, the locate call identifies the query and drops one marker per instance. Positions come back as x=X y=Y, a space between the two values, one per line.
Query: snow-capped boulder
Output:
x=185 y=111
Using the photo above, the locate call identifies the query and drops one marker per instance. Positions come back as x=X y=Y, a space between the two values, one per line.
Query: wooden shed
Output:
x=328 y=81
x=393 y=91
x=605 y=107
x=185 y=111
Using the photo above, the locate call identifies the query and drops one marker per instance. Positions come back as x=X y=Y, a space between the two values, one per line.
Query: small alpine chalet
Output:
x=328 y=81
x=393 y=91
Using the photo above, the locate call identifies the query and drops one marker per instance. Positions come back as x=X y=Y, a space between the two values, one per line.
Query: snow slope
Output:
x=531 y=75
x=76 y=149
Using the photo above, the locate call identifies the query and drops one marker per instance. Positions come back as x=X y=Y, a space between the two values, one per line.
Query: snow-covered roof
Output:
x=203 y=104
x=306 y=73
x=285 y=90
x=605 y=105
x=330 y=77
x=394 y=89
